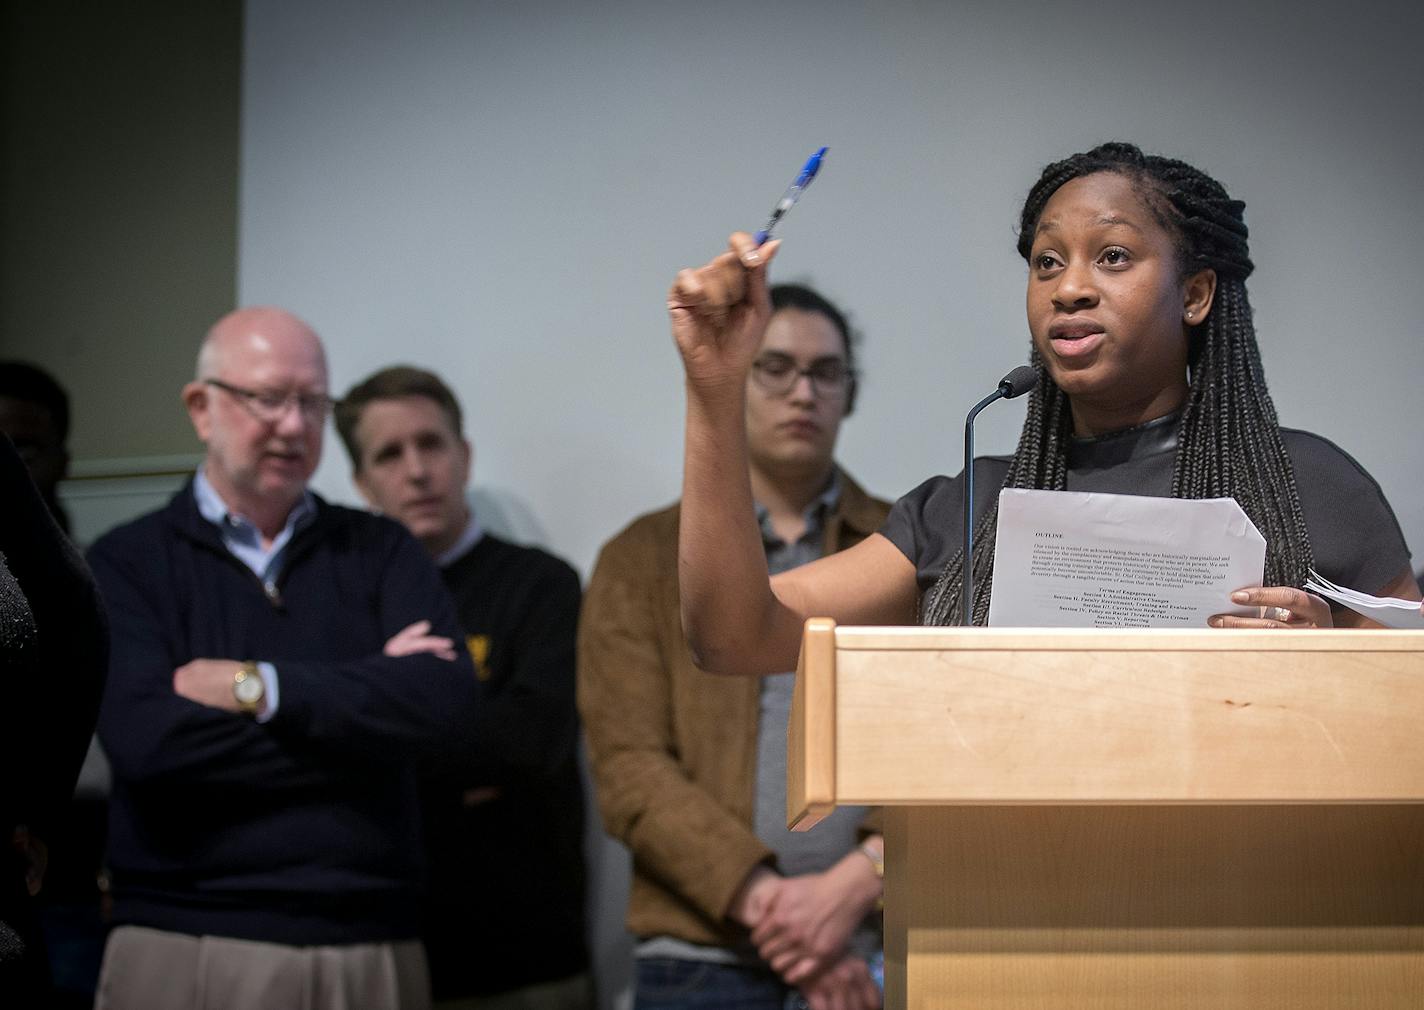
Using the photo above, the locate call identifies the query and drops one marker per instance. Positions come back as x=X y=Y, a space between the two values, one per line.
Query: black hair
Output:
x=799 y=296
x=27 y=383
x=21 y=380
x=1229 y=442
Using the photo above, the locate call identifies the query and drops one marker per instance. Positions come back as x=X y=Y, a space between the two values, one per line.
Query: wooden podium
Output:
x=1115 y=819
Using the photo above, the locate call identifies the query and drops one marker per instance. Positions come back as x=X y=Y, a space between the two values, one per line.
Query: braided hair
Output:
x=1229 y=443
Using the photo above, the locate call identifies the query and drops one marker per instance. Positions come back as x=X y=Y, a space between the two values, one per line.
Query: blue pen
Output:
x=792 y=194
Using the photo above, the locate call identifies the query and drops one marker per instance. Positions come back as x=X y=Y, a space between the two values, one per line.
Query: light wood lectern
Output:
x=1145 y=819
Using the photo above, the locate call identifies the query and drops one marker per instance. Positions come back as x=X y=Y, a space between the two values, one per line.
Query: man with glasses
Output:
x=280 y=666
x=730 y=908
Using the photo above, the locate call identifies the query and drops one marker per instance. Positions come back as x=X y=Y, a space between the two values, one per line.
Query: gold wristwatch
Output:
x=247 y=688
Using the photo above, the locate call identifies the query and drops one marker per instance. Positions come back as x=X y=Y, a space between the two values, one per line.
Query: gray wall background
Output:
x=503 y=192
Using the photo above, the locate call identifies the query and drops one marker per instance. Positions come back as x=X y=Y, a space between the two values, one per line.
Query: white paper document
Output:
x=1069 y=559
x=1390 y=611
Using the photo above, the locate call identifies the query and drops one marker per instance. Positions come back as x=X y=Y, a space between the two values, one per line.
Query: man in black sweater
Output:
x=280 y=667
x=504 y=825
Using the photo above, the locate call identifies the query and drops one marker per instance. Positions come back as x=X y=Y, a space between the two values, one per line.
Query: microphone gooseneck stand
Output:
x=1016 y=383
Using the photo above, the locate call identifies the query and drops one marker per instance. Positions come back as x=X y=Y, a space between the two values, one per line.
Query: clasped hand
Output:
x=802 y=926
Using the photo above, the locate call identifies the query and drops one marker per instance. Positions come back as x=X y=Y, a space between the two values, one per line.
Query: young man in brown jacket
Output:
x=730 y=908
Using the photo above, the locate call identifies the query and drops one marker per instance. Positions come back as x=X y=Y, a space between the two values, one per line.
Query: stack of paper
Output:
x=1390 y=611
x=1065 y=559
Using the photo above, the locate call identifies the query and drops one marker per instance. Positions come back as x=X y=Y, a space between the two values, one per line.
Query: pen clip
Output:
x=808 y=172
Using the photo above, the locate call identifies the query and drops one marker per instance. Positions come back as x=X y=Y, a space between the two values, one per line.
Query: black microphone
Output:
x=1016 y=383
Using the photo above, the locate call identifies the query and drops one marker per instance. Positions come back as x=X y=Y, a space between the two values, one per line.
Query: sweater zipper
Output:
x=299 y=545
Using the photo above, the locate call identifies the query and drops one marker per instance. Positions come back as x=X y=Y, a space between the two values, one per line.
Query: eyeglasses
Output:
x=778 y=374
x=270 y=406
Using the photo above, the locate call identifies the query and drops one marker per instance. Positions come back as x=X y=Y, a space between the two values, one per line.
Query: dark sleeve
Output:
x=1354 y=535
x=528 y=728
x=150 y=734
x=928 y=523
x=925 y=524
x=912 y=523
x=50 y=712
x=376 y=707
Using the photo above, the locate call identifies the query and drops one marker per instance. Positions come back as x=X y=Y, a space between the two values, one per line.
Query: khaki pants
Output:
x=149 y=969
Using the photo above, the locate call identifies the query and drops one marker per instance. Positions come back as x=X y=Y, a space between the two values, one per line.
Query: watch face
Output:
x=248 y=690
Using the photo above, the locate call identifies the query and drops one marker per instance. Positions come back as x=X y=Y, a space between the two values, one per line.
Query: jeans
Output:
x=665 y=983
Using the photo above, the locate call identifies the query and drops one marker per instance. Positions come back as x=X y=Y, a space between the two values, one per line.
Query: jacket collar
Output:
x=856 y=509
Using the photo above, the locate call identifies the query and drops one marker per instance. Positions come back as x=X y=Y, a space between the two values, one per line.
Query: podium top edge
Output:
x=854 y=638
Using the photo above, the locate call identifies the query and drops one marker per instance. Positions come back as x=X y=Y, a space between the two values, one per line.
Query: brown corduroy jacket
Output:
x=674 y=748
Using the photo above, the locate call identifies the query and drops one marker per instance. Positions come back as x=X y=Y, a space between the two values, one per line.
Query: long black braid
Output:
x=1229 y=443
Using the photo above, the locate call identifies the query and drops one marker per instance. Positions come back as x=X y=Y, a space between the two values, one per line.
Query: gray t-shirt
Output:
x=1354 y=535
x=797 y=852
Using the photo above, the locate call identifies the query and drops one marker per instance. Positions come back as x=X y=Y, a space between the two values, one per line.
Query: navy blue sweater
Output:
x=305 y=829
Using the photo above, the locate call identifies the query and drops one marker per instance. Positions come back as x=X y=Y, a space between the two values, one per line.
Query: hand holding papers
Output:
x=1390 y=611
x=1065 y=559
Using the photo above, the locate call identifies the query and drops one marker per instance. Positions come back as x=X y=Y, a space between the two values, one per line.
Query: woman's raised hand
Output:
x=719 y=312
